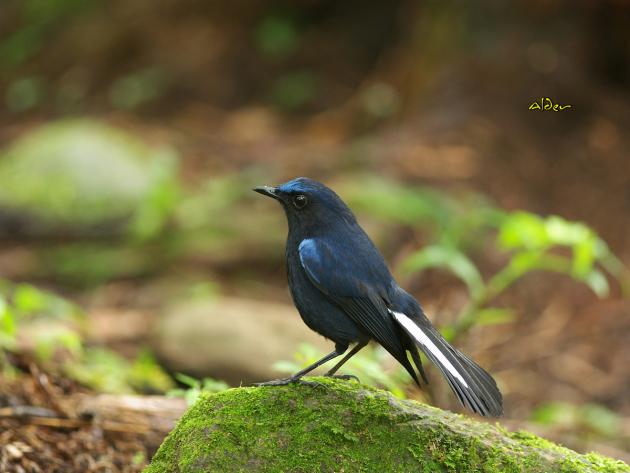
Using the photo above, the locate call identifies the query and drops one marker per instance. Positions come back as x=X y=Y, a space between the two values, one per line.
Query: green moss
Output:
x=343 y=425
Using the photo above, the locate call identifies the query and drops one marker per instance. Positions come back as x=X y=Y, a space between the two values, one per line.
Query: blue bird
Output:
x=344 y=291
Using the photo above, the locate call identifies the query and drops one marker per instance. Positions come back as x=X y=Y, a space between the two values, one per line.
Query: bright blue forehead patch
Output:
x=301 y=184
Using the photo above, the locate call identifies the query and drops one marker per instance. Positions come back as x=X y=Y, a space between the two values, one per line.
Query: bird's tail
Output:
x=474 y=387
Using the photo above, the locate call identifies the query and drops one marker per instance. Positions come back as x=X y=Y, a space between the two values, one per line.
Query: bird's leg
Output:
x=339 y=350
x=352 y=352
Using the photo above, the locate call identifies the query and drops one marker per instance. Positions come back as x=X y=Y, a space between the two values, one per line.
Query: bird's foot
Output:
x=291 y=380
x=347 y=377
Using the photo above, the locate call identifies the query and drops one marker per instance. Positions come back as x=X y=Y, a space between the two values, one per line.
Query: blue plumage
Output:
x=343 y=290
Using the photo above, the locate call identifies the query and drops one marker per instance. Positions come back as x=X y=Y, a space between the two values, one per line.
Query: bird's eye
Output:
x=300 y=201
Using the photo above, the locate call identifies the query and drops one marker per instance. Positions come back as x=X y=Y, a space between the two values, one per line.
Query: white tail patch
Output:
x=427 y=343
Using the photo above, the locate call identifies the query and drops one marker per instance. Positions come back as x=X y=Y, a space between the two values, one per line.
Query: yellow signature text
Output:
x=546 y=103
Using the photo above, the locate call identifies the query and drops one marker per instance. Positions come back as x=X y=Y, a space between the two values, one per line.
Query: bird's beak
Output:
x=267 y=190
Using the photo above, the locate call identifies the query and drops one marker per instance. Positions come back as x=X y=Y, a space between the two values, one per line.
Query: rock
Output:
x=76 y=175
x=345 y=427
x=231 y=339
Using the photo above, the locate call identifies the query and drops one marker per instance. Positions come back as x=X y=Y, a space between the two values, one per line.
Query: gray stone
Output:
x=231 y=339
x=78 y=174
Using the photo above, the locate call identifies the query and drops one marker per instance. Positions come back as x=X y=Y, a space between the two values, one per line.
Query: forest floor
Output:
x=50 y=424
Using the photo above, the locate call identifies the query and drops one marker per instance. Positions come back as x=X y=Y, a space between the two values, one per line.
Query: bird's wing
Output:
x=357 y=284
x=359 y=289
x=342 y=271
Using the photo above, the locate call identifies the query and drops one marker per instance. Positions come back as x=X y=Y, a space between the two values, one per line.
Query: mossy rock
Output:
x=81 y=174
x=346 y=427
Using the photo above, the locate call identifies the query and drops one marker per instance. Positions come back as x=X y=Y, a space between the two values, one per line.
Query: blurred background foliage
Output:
x=132 y=133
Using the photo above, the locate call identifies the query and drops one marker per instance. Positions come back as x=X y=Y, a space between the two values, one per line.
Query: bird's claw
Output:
x=347 y=377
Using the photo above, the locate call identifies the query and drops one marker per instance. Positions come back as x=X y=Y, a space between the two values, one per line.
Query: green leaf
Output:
x=196 y=387
x=577 y=236
x=137 y=88
x=102 y=370
x=523 y=230
x=294 y=89
x=566 y=233
x=534 y=235
x=214 y=385
x=609 y=261
x=525 y=261
x=396 y=203
x=285 y=366
x=594 y=417
x=555 y=413
x=7 y=325
x=596 y=280
x=447 y=258
x=28 y=299
x=584 y=255
x=277 y=37
x=600 y=419
x=7 y=322
x=191 y=396
x=47 y=343
x=107 y=371
x=138 y=459
x=145 y=374
x=188 y=380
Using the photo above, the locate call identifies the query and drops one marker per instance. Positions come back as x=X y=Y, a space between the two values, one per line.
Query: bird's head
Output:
x=309 y=203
